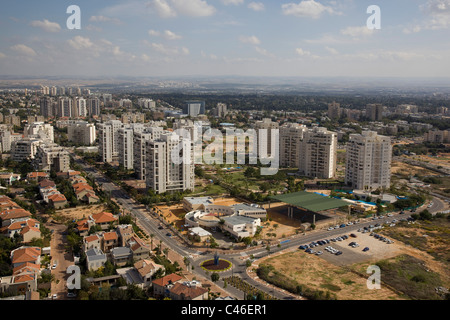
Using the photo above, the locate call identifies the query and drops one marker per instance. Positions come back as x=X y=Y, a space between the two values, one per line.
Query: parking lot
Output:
x=377 y=249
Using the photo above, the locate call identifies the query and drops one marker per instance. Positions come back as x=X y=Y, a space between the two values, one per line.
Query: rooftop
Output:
x=310 y=201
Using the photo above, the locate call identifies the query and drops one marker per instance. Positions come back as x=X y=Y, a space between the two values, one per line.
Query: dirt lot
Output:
x=317 y=274
x=407 y=169
x=81 y=212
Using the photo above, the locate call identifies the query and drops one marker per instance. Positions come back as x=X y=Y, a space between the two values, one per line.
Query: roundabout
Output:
x=216 y=265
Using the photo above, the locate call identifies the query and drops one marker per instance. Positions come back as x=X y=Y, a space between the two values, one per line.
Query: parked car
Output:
x=318 y=253
x=366 y=249
x=342 y=226
x=330 y=228
x=353 y=235
x=338 y=253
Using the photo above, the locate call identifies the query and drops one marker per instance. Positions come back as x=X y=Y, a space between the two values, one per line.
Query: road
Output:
x=151 y=225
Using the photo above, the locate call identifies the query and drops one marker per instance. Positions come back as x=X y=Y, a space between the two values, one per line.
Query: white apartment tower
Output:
x=291 y=135
x=368 y=163
x=265 y=147
x=81 y=132
x=40 y=130
x=139 y=149
x=125 y=144
x=164 y=172
x=64 y=107
x=108 y=139
x=318 y=151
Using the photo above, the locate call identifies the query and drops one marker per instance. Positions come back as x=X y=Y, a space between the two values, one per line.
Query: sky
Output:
x=262 y=38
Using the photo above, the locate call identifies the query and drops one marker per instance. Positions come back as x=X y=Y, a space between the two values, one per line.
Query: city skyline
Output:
x=226 y=37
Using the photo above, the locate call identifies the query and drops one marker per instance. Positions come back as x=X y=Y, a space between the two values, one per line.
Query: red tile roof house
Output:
x=110 y=240
x=188 y=291
x=104 y=219
x=24 y=254
x=9 y=216
x=160 y=286
x=28 y=228
x=37 y=176
x=83 y=227
x=92 y=241
x=47 y=183
x=58 y=201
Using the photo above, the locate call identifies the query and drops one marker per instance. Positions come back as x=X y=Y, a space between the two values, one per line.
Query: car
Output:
x=168 y=234
x=54 y=265
x=336 y=227
x=342 y=226
x=311 y=252
x=308 y=250
x=338 y=253
x=302 y=247
x=366 y=249
x=160 y=227
x=351 y=243
x=330 y=228
x=353 y=235
x=389 y=214
x=318 y=253
x=54 y=296
x=340 y=239
x=350 y=223
x=345 y=237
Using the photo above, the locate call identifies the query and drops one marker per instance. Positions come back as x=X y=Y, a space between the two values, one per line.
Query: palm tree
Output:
x=151 y=240
x=186 y=262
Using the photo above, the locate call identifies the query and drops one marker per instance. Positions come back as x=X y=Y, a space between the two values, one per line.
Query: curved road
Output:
x=150 y=223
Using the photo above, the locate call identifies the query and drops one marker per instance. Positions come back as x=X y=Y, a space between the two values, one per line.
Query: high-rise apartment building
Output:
x=108 y=139
x=51 y=157
x=318 y=151
x=168 y=168
x=194 y=108
x=40 y=130
x=81 y=132
x=64 y=107
x=93 y=107
x=375 y=111
x=368 y=163
x=291 y=135
x=140 y=139
x=46 y=107
x=334 y=110
x=265 y=145
x=79 y=107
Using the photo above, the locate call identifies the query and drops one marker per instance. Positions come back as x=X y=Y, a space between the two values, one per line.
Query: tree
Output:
x=425 y=215
x=215 y=277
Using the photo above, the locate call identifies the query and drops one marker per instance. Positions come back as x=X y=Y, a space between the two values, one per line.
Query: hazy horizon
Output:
x=225 y=38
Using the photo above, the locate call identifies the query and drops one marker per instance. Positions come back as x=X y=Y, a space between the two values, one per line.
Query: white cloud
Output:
x=105 y=19
x=357 y=32
x=166 y=50
x=302 y=52
x=46 y=25
x=79 y=42
x=256 y=6
x=173 y=8
x=332 y=50
x=154 y=33
x=163 y=9
x=193 y=8
x=233 y=2
x=307 y=8
x=250 y=40
x=264 y=52
x=169 y=35
x=24 y=50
